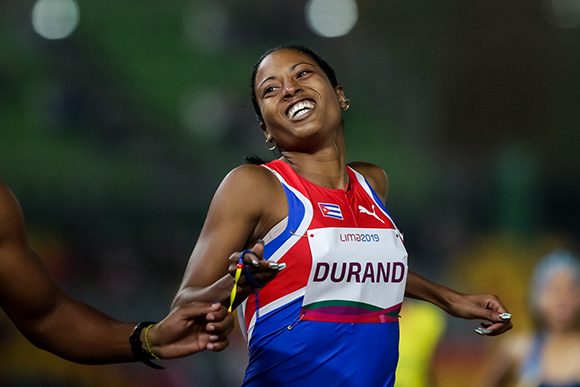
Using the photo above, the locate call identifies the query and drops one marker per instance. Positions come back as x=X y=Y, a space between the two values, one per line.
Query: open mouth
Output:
x=300 y=108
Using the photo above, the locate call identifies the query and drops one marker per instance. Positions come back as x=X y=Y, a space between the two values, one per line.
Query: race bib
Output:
x=358 y=275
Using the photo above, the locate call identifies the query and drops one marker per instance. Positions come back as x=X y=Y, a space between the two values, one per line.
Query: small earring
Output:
x=346 y=104
x=270 y=144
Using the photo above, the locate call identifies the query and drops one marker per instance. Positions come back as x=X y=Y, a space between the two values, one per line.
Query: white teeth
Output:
x=301 y=112
x=300 y=108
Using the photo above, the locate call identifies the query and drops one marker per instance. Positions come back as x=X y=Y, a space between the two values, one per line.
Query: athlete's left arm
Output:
x=488 y=308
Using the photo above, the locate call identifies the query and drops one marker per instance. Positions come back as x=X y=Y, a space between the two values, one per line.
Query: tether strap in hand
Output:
x=239 y=268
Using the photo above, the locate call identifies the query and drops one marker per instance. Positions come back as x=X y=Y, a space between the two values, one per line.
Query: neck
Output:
x=325 y=167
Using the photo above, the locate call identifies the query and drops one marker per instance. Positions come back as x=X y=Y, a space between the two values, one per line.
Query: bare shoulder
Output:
x=250 y=174
x=6 y=196
x=251 y=191
x=10 y=213
x=248 y=181
x=375 y=175
x=13 y=241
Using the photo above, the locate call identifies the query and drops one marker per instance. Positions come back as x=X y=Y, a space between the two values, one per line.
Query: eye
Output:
x=268 y=89
x=303 y=73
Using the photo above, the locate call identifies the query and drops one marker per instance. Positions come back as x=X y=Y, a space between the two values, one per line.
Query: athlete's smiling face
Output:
x=296 y=99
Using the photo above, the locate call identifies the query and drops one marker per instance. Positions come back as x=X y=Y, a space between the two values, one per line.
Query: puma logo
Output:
x=363 y=210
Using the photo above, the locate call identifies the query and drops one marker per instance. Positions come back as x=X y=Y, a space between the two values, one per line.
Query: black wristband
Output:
x=137 y=348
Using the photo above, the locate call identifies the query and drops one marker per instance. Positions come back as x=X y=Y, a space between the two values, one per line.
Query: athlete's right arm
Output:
x=248 y=202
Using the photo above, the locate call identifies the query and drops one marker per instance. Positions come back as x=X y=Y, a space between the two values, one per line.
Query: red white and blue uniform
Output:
x=331 y=317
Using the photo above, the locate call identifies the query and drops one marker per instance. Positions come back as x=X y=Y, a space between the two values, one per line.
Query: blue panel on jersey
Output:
x=313 y=353
x=378 y=199
x=296 y=212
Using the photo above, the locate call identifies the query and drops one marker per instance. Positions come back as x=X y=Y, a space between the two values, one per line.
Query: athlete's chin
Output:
x=307 y=131
x=307 y=121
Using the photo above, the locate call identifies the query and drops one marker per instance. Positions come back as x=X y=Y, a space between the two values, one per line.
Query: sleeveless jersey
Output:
x=331 y=316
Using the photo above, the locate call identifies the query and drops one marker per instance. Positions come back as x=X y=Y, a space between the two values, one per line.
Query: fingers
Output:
x=497 y=328
x=258 y=249
x=218 y=313
x=219 y=331
x=498 y=318
x=495 y=304
x=194 y=309
x=256 y=271
x=217 y=345
x=494 y=329
x=254 y=258
x=251 y=257
x=222 y=322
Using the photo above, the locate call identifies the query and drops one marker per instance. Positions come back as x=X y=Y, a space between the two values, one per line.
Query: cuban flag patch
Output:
x=330 y=210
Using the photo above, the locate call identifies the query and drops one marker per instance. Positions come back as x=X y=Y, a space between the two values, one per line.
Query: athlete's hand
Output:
x=489 y=309
x=189 y=328
x=257 y=271
x=495 y=319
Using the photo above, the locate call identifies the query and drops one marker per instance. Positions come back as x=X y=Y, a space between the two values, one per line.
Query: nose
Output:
x=291 y=88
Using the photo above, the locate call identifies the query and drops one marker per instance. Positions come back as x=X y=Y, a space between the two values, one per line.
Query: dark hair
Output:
x=329 y=71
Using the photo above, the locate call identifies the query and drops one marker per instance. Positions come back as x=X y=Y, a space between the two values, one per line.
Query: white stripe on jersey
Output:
x=364 y=184
x=294 y=237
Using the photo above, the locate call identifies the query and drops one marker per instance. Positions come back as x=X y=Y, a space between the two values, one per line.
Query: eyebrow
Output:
x=291 y=69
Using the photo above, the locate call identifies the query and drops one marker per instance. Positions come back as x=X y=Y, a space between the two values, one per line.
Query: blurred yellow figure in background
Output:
x=422 y=325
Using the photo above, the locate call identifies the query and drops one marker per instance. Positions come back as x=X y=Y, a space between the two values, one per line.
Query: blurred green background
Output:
x=115 y=138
